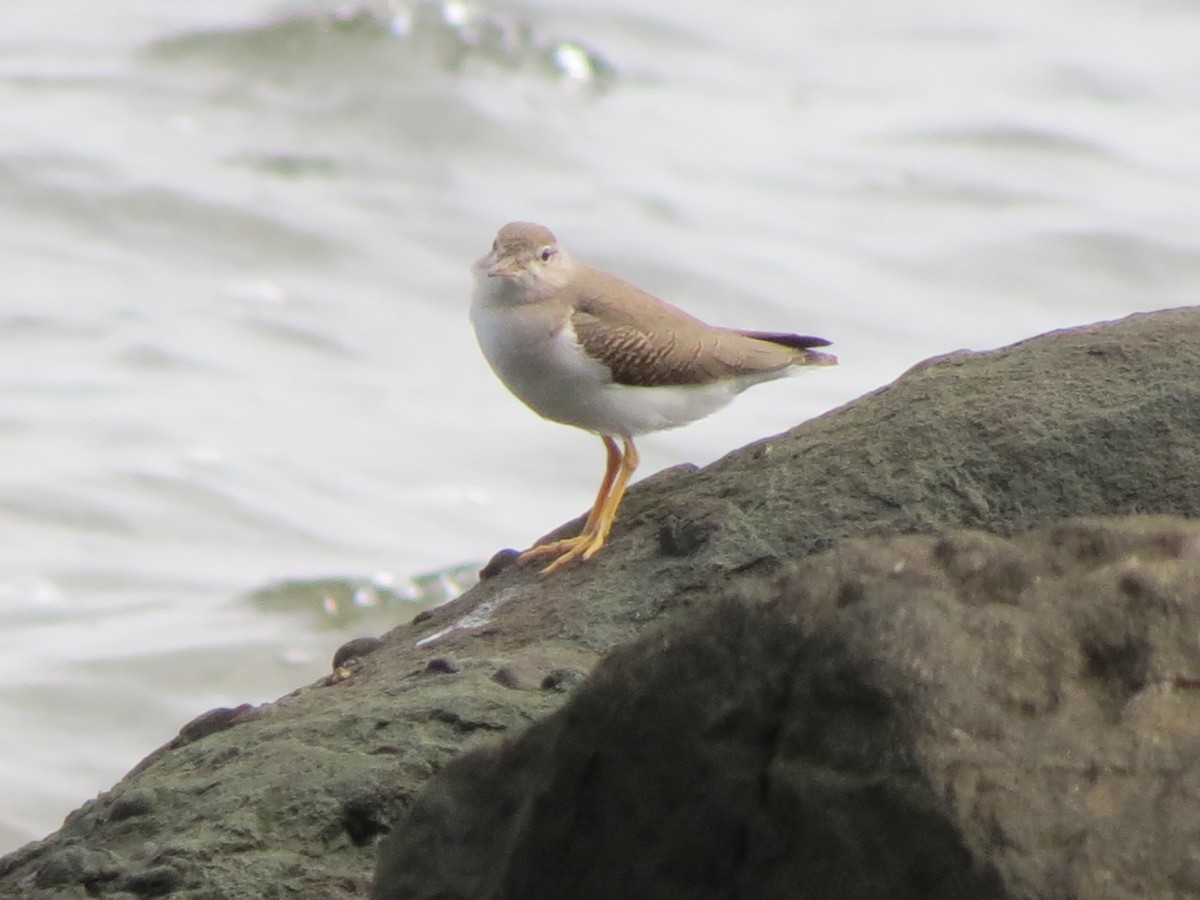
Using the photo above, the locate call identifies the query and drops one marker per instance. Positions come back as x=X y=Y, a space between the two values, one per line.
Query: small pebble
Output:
x=502 y=560
x=507 y=678
x=355 y=649
x=132 y=803
x=213 y=721
x=440 y=665
x=156 y=882
x=562 y=680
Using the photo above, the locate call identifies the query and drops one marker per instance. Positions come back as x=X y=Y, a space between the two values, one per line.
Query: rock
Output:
x=501 y=560
x=563 y=680
x=357 y=649
x=74 y=865
x=130 y=804
x=213 y=721
x=290 y=798
x=155 y=882
x=943 y=716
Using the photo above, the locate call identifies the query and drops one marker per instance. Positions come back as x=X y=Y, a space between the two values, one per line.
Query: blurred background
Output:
x=242 y=414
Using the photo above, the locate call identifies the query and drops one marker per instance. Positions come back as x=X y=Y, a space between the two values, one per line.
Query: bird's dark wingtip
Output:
x=795 y=341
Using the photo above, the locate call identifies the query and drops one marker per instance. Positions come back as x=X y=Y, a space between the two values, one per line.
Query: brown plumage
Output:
x=647 y=342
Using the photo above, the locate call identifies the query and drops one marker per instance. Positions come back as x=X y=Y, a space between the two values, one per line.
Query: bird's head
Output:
x=525 y=262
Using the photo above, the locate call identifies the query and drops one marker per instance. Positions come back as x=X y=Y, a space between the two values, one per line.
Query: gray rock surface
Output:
x=926 y=716
x=289 y=799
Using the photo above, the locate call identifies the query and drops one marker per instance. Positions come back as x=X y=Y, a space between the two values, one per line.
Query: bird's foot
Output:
x=562 y=552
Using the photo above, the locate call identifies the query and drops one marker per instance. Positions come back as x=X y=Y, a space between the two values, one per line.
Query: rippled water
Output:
x=233 y=336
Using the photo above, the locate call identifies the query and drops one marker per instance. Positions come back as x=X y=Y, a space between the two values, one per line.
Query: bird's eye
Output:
x=547 y=252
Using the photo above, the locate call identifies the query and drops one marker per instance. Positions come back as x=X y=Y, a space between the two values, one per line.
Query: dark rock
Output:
x=501 y=560
x=130 y=804
x=213 y=721
x=155 y=882
x=507 y=677
x=518 y=676
x=359 y=648
x=440 y=665
x=367 y=812
x=1102 y=420
x=75 y=865
x=978 y=717
x=464 y=723
x=363 y=822
x=563 y=680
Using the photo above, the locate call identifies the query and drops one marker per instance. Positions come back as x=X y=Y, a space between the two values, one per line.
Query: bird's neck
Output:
x=523 y=290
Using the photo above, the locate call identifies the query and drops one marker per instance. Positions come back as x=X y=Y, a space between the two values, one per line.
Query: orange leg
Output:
x=613 y=463
x=558 y=548
x=606 y=515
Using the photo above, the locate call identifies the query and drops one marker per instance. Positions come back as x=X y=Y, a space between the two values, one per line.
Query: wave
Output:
x=448 y=35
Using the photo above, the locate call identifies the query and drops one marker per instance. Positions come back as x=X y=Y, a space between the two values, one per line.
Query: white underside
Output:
x=552 y=375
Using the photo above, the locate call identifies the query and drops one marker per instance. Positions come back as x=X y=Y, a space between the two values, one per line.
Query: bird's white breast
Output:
x=539 y=360
x=534 y=351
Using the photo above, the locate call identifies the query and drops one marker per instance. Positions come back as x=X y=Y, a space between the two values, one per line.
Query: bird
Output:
x=586 y=348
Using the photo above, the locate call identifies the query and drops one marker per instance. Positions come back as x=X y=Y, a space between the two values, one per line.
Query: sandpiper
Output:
x=586 y=348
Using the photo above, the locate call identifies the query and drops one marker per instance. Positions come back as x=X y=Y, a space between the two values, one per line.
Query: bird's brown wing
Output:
x=646 y=342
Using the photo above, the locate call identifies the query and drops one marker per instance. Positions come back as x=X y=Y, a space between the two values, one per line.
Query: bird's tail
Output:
x=802 y=342
x=813 y=358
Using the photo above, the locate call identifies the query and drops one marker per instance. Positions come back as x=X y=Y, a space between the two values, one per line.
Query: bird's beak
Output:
x=503 y=268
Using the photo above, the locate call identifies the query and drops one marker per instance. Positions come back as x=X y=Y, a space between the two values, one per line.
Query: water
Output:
x=233 y=336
